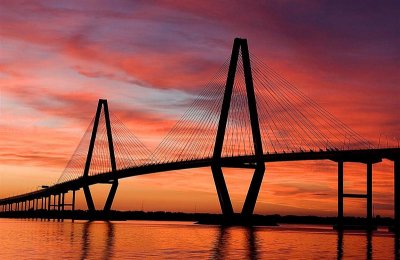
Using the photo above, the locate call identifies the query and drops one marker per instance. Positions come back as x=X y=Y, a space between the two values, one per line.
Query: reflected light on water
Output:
x=29 y=239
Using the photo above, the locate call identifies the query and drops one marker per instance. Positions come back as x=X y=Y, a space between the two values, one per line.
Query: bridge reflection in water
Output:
x=240 y=242
x=177 y=240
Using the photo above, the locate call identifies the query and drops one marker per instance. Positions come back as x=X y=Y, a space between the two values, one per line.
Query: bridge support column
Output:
x=59 y=207
x=73 y=200
x=62 y=205
x=48 y=207
x=222 y=191
x=62 y=201
x=397 y=195
x=340 y=196
x=369 y=195
x=73 y=205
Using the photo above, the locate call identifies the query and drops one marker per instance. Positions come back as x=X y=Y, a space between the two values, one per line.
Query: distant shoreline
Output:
x=201 y=218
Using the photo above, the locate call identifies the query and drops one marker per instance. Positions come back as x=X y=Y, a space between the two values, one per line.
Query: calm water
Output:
x=29 y=239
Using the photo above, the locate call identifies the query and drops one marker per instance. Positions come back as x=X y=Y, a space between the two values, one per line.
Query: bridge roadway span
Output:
x=361 y=156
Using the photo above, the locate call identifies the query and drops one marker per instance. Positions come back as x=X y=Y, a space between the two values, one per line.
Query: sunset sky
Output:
x=150 y=58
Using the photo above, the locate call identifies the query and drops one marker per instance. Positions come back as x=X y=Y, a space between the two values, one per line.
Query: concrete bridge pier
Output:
x=73 y=205
x=59 y=206
x=396 y=226
x=370 y=223
x=368 y=196
x=340 y=196
x=48 y=207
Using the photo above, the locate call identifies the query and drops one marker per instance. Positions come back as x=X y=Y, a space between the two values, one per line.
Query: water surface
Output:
x=35 y=239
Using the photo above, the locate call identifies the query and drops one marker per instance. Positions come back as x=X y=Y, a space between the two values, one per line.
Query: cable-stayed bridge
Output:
x=246 y=116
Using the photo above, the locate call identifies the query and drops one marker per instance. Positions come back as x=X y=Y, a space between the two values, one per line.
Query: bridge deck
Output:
x=362 y=156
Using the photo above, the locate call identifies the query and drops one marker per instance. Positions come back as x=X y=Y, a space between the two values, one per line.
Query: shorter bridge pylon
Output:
x=102 y=104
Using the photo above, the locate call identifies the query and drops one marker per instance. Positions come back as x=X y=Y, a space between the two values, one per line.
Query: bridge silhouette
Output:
x=245 y=117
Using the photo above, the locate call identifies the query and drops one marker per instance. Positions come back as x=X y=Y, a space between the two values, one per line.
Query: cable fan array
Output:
x=289 y=122
x=292 y=122
x=129 y=151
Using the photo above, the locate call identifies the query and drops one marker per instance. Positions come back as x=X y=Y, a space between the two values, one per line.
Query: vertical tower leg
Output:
x=258 y=175
x=369 y=194
x=222 y=191
x=86 y=190
x=114 y=186
x=340 y=195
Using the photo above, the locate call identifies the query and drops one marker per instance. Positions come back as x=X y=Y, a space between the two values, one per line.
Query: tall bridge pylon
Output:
x=239 y=45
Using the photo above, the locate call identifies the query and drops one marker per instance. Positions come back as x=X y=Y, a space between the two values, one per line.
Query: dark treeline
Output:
x=201 y=218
